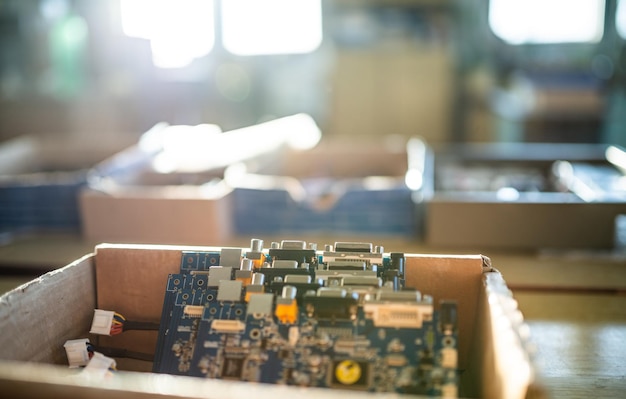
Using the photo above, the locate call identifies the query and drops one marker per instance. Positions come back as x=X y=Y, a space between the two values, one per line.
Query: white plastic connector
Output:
x=99 y=365
x=102 y=322
x=76 y=351
x=449 y=391
x=227 y=326
x=193 y=310
x=398 y=315
x=449 y=358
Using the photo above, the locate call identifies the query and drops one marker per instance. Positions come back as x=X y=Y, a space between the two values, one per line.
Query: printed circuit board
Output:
x=338 y=318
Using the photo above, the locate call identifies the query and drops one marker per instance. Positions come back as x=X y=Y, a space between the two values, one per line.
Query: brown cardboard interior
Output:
x=130 y=279
x=456 y=278
x=343 y=159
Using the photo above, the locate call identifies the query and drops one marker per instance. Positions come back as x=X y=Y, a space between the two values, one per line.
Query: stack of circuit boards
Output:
x=337 y=318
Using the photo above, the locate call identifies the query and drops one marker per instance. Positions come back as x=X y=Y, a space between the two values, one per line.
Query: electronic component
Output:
x=184 y=305
x=100 y=365
x=230 y=257
x=107 y=322
x=286 y=309
x=330 y=303
x=298 y=251
x=76 y=351
x=339 y=318
x=198 y=261
x=102 y=322
x=246 y=269
x=350 y=373
x=80 y=351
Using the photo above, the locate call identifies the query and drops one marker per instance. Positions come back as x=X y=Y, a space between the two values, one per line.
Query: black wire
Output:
x=140 y=325
x=117 y=352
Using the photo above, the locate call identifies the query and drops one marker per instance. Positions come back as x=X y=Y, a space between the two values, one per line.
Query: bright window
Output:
x=620 y=18
x=179 y=31
x=253 y=27
x=547 y=21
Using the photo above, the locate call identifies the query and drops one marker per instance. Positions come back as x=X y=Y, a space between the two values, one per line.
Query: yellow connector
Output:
x=287 y=313
x=255 y=286
x=244 y=280
x=258 y=262
x=248 y=293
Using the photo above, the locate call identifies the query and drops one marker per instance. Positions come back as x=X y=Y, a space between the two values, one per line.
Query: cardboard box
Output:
x=40 y=179
x=37 y=318
x=169 y=188
x=338 y=187
x=181 y=215
x=127 y=200
x=475 y=203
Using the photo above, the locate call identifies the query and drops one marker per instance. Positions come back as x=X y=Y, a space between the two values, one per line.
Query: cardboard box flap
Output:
x=450 y=277
x=501 y=354
x=39 y=316
x=510 y=337
x=20 y=380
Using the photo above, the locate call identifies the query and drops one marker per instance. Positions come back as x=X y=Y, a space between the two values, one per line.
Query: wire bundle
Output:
x=119 y=324
x=117 y=352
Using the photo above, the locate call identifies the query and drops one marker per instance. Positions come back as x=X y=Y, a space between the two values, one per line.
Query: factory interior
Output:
x=487 y=127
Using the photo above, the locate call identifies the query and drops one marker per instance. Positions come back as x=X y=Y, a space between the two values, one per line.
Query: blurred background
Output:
x=521 y=103
x=445 y=70
x=486 y=126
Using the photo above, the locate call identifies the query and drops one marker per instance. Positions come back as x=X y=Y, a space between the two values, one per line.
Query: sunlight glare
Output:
x=179 y=31
x=253 y=27
x=554 y=21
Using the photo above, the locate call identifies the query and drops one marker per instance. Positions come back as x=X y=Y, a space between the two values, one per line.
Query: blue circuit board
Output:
x=340 y=318
x=198 y=261
x=178 y=330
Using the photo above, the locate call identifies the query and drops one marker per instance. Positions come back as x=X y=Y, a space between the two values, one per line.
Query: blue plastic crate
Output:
x=357 y=211
x=41 y=202
x=40 y=181
x=334 y=203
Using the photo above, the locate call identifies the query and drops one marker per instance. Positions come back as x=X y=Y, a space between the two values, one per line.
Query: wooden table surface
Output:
x=573 y=302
